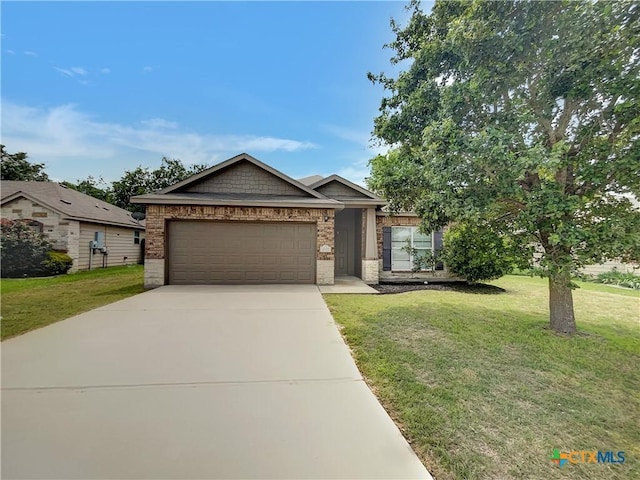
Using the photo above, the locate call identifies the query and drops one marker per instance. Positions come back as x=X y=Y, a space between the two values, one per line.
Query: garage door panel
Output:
x=241 y=252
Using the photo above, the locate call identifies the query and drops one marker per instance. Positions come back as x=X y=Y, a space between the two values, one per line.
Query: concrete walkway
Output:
x=195 y=382
x=347 y=284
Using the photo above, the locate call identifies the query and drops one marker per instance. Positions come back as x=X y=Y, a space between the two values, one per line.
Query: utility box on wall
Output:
x=99 y=239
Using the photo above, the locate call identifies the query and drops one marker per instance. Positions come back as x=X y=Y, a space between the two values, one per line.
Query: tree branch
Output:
x=542 y=120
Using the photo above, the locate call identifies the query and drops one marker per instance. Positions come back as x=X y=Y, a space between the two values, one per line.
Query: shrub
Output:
x=621 y=279
x=476 y=252
x=56 y=263
x=22 y=250
x=423 y=260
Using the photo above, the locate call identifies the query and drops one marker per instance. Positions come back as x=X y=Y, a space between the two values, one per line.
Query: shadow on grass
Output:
x=122 y=291
x=461 y=287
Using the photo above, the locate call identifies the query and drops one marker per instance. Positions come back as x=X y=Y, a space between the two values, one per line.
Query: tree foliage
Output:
x=96 y=188
x=134 y=182
x=15 y=166
x=524 y=114
x=143 y=180
x=22 y=250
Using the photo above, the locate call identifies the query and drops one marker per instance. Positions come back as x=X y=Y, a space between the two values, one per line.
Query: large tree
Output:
x=144 y=180
x=525 y=115
x=96 y=188
x=15 y=166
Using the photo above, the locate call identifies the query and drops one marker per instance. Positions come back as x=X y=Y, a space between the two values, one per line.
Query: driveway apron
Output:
x=196 y=382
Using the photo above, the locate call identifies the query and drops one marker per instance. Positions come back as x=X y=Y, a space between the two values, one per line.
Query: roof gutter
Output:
x=237 y=203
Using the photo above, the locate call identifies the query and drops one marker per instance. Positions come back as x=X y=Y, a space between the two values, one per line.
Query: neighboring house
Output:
x=242 y=221
x=609 y=266
x=615 y=264
x=72 y=220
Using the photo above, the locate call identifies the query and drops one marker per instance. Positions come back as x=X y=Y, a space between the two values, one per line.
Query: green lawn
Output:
x=35 y=302
x=483 y=390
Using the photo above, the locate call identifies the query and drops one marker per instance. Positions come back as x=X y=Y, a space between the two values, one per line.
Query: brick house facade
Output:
x=242 y=221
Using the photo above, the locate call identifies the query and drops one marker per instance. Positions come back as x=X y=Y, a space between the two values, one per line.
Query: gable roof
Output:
x=341 y=189
x=240 y=180
x=70 y=203
x=311 y=179
x=243 y=157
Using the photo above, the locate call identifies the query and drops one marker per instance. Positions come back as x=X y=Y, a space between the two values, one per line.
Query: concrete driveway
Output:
x=196 y=382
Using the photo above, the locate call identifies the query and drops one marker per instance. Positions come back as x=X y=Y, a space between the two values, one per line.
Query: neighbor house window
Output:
x=136 y=237
x=34 y=225
x=401 y=237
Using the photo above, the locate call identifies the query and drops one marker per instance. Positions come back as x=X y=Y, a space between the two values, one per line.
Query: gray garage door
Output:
x=239 y=252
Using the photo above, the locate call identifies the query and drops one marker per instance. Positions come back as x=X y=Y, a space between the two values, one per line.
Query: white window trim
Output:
x=413 y=229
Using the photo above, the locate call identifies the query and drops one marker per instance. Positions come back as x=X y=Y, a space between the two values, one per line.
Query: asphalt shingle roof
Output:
x=70 y=203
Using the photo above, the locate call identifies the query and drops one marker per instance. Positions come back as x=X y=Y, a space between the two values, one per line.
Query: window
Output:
x=34 y=225
x=136 y=237
x=401 y=260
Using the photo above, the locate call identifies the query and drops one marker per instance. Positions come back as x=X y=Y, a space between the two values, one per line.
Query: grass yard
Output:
x=483 y=390
x=31 y=303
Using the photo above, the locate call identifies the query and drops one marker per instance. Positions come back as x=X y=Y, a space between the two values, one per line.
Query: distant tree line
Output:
x=16 y=166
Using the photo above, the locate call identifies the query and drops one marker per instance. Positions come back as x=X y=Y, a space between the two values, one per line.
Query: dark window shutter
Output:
x=386 y=248
x=437 y=240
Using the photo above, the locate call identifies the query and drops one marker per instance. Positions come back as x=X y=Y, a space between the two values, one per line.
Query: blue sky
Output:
x=97 y=88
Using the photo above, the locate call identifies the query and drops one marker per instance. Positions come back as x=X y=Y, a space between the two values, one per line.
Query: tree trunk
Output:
x=561 y=315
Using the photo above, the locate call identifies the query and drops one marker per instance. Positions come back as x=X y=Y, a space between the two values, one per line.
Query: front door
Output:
x=342 y=252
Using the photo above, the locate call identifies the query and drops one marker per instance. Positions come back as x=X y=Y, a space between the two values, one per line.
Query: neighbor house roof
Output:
x=72 y=204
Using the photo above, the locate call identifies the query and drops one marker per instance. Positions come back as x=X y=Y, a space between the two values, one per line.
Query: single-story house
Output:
x=92 y=232
x=609 y=266
x=242 y=221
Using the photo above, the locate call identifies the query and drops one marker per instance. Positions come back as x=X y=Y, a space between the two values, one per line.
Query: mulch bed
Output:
x=463 y=287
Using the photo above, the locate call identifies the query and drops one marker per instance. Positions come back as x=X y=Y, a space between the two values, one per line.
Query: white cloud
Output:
x=358 y=169
x=105 y=70
x=29 y=53
x=72 y=71
x=147 y=69
x=159 y=123
x=74 y=144
x=64 y=71
x=10 y=52
x=360 y=138
x=79 y=71
x=356 y=172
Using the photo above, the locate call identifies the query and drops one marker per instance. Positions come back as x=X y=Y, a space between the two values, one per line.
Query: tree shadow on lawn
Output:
x=461 y=287
x=122 y=291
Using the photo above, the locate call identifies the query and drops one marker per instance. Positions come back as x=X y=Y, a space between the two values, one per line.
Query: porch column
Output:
x=370 y=261
x=371 y=242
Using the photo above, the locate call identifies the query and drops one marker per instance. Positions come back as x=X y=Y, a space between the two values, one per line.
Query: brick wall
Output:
x=53 y=225
x=158 y=215
x=65 y=234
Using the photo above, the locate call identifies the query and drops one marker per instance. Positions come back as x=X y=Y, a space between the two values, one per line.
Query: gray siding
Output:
x=246 y=178
x=336 y=189
x=119 y=242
